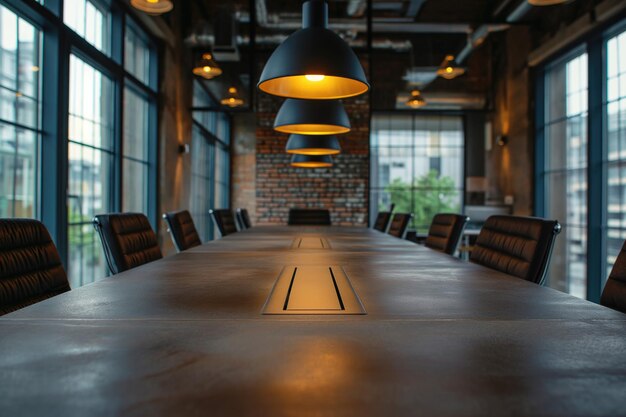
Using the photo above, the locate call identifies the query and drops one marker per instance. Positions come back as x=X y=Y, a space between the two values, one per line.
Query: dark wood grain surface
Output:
x=185 y=336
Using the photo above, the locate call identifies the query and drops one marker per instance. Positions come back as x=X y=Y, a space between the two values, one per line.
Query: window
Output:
x=136 y=152
x=615 y=137
x=20 y=127
x=210 y=162
x=90 y=20
x=416 y=164
x=90 y=170
x=565 y=171
x=138 y=55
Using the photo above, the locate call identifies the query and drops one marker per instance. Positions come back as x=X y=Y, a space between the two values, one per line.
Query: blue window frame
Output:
x=582 y=182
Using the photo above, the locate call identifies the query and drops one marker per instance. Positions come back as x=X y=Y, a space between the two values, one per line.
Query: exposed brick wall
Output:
x=342 y=189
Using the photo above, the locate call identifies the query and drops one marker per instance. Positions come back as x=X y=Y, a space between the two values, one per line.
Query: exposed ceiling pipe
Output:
x=477 y=38
x=414 y=8
x=519 y=12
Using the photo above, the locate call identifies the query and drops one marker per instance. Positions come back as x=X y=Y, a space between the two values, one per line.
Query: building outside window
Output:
x=417 y=163
x=20 y=124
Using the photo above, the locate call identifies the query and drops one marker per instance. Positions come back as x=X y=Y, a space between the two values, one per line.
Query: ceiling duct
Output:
x=225 y=30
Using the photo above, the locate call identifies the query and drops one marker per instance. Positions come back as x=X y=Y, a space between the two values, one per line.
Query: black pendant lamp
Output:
x=449 y=69
x=312 y=117
x=416 y=100
x=314 y=62
x=311 y=161
x=313 y=145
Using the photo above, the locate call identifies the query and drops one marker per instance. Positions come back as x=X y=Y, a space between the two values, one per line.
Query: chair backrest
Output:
x=614 y=293
x=310 y=217
x=518 y=246
x=445 y=232
x=127 y=239
x=399 y=224
x=182 y=229
x=244 y=218
x=30 y=266
x=382 y=221
x=224 y=220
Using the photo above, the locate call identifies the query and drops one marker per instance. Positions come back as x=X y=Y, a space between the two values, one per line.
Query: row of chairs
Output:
x=518 y=246
x=31 y=269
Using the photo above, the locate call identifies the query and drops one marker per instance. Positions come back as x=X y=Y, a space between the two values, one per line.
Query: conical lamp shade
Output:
x=314 y=62
x=312 y=117
x=153 y=7
x=206 y=67
x=449 y=69
x=311 y=161
x=313 y=145
x=232 y=99
x=416 y=100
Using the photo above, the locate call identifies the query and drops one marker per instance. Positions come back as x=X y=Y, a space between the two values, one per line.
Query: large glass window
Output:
x=90 y=154
x=90 y=19
x=416 y=164
x=210 y=162
x=615 y=116
x=135 y=151
x=565 y=170
x=20 y=127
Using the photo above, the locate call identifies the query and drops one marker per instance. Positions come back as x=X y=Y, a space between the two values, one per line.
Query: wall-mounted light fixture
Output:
x=314 y=62
x=206 y=67
x=312 y=117
x=449 y=69
x=311 y=161
x=183 y=148
x=313 y=145
x=153 y=7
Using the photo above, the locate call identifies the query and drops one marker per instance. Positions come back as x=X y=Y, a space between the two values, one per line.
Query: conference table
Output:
x=312 y=321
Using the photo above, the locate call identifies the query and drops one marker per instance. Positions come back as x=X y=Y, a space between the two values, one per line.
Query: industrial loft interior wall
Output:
x=342 y=189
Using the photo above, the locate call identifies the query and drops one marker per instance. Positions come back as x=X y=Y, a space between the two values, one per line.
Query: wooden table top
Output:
x=186 y=336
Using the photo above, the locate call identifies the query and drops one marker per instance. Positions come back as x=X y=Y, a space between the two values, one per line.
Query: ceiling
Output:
x=409 y=37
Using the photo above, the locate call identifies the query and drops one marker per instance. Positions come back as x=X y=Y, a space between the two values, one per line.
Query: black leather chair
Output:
x=224 y=220
x=127 y=239
x=518 y=246
x=30 y=266
x=382 y=221
x=182 y=229
x=614 y=293
x=445 y=232
x=243 y=218
x=400 y=224
x=308 y=217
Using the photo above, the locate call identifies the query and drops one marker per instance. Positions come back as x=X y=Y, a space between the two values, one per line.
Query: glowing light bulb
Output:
x=449 y=70
x=314 y=77
x=206 y=69
x=153 y=1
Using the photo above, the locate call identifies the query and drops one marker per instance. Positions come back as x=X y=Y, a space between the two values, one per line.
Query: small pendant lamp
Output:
x=312 y=117
x=311 y=161
x=153 y=7
x=314 y=62
x=545 y=2
x=416 y=100
x=313 y=145
x=449 y=69
x=206 y=67
x=232 y=99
